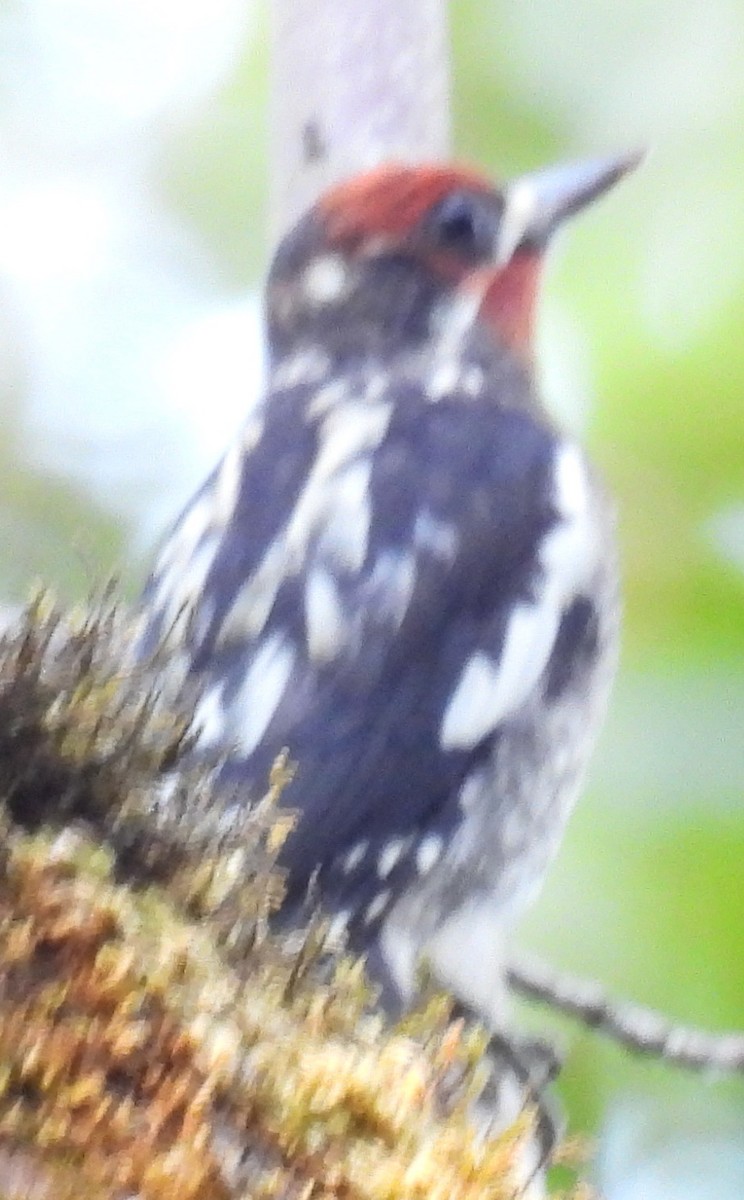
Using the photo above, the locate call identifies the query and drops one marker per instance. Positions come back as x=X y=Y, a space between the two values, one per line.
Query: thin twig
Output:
x=640 y=1029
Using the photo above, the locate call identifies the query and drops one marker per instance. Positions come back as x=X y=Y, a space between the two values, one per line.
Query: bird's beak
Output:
x=537 y=204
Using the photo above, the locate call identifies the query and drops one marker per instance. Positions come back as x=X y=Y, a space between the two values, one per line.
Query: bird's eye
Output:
x=465 y=224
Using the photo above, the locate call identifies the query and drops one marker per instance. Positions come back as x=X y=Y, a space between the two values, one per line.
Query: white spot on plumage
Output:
x=226 y=488
x=350 y=429
x=569 y=550
x=251 y=434
x=337 y=926
x=466 y=956
x=473 y=381
x=345 y=533
x=443 y=380
x=438 y=537
x=326 y=398
x=354 y=857
x=324 y=617
x=428 y=853
x=333 y=506
x=401 y=948
x=184 y=539
x=252 y=708
x=325 y=279
x=452 y=321
x=376 y=387
x=390 y=586
x=571 y=482
x=377 y=906
x=488 y=691
x=179 y=591
x=209 y=717
x=390 y=856
x=254 y=601
x=308 y=366
x=471 y=792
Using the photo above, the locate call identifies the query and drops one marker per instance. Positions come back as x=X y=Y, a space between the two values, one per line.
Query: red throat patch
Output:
x=510 y=298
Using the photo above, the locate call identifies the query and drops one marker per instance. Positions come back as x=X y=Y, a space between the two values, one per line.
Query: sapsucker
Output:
x=403 y=571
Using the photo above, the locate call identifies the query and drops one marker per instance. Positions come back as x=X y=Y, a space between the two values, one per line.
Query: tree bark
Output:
x=354 y=82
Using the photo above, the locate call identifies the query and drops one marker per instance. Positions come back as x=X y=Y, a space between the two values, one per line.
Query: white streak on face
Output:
x=325 y=280
x=519 y=210
x=251 y=710
x=324 y=617
x=428 y=853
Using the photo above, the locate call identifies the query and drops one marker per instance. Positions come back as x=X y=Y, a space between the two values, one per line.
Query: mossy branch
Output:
x=157 y=1038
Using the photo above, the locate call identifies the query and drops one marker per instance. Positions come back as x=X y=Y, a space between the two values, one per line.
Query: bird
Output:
x=404 y=571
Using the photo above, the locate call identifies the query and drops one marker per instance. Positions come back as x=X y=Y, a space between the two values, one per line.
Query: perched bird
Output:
x=404 y=572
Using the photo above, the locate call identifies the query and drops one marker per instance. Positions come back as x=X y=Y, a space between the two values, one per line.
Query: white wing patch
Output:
x=428 y=853
x=250 y=609
x=324 y=616
x=345 y=532
x=333 y=507
x=260 y=693
x=391 y=584
x=476 y=706
x=209 y=717
x=390 y=856
x=227 y=485
x=490 y=690
x=353 y=857
x=438 y=537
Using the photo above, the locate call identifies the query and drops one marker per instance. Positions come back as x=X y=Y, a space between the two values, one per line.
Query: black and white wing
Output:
x=379 y=582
